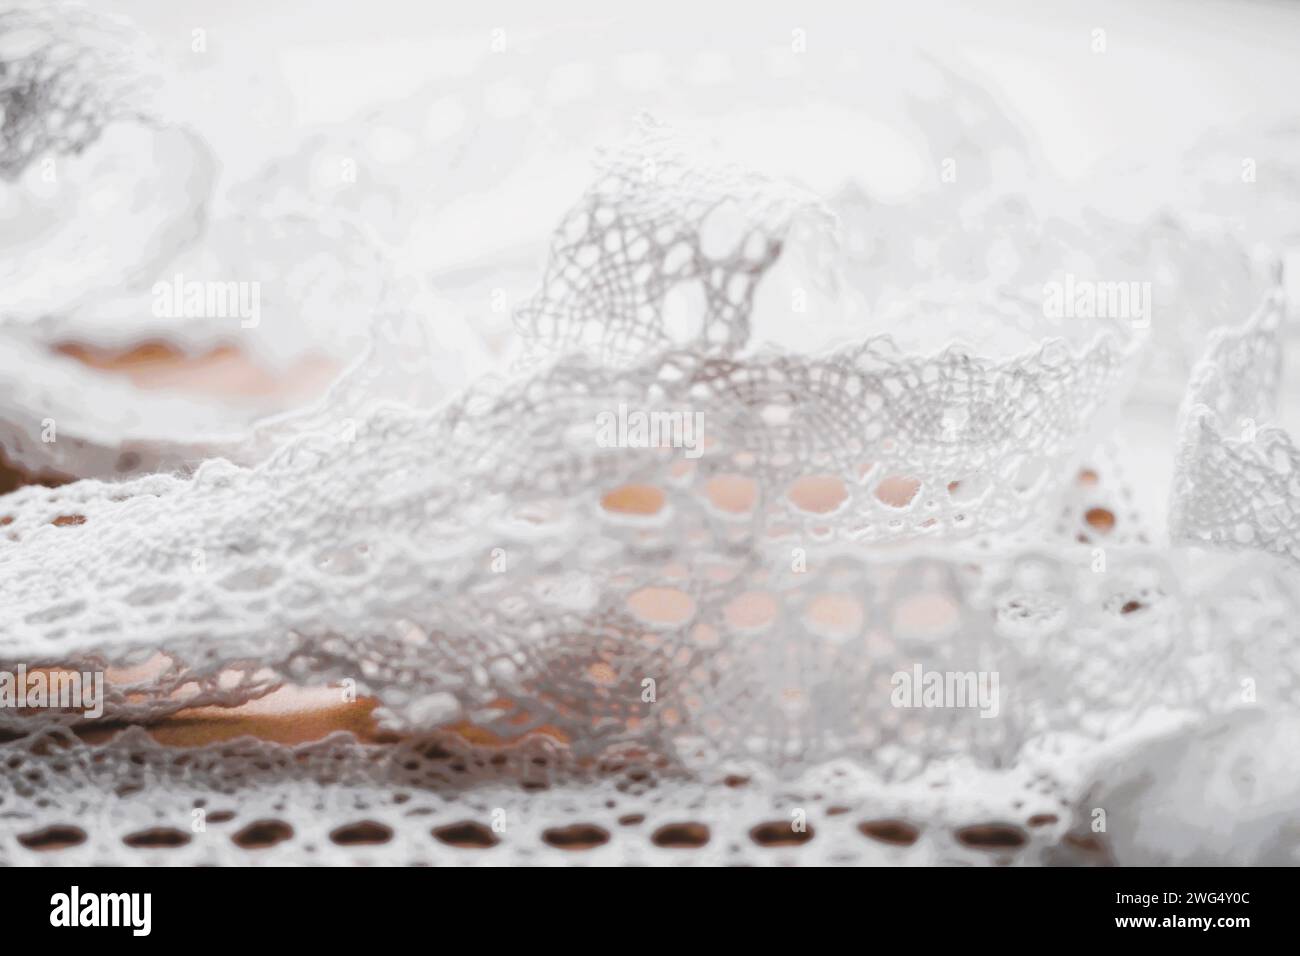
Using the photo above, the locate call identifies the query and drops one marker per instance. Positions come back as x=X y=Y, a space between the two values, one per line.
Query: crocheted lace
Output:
x=588 y=639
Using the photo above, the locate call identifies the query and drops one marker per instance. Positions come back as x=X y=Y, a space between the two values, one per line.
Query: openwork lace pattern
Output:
x=628 y=628
x=1237 y=483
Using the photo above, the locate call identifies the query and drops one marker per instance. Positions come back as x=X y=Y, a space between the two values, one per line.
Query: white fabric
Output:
x=454 y=559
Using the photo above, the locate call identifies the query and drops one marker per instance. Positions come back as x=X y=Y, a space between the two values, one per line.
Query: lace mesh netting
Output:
x=582 y=650
x=1237 y=483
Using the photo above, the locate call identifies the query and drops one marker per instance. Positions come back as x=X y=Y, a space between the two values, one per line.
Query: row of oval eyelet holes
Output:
x=470 y=834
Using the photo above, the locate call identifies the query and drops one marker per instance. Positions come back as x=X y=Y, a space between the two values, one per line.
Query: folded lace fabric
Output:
x=116 y=246
x=1237 y=482
x=860 y=445
x=907 y=788
x=673 y=565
